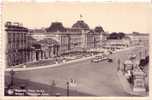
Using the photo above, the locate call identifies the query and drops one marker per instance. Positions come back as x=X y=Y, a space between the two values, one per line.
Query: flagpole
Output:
x=80 y=17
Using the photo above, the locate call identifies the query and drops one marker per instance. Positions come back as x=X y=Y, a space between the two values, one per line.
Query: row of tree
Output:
x=115 y=35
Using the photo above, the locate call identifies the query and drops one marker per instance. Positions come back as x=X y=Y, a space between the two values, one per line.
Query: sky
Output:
x=118 y=17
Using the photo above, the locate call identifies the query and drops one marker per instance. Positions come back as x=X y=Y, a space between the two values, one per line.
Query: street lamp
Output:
x=12 y=73
x=67 y=88
x=72 y=83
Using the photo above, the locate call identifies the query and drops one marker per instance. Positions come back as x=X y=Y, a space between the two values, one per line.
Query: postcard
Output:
x=75 y=49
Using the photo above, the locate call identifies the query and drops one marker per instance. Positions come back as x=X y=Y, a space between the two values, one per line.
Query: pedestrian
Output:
x=118 y=67
x=72 y=82
x=56 y=60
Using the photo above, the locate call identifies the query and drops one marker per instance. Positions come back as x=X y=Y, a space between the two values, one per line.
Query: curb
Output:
x=48 y=66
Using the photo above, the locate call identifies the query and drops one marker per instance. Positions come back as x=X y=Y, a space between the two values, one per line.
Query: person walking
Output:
x=118 y=62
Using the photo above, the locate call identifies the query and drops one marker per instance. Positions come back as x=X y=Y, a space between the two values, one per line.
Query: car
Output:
x=110 y=60
x=110 y=52
x=99 y=58
x=133 y=56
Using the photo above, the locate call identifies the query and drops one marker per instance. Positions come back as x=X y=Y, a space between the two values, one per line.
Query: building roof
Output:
x=37 y=30
x=98 y=29
x=56 y=26
x=80 y=24
x=48 y=41
x=15 y=27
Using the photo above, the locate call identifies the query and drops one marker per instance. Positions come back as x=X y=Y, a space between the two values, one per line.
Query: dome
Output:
x=98 y=29
x=80 y=24
x=56 y=26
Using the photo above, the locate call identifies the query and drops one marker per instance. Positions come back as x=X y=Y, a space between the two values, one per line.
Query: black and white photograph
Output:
x=76 y=49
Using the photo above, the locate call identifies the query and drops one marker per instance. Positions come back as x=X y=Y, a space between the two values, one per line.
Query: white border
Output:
x=2 y=61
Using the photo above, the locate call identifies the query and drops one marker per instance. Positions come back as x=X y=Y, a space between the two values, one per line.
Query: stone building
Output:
x=28 y=45
x=57 y=39
x=16 y=44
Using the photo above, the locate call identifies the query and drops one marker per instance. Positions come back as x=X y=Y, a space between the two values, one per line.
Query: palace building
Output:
x=27 y=45
x=78 y=38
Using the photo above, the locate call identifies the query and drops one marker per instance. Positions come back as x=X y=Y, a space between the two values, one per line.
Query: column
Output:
x=34 y=55
x=42 y=54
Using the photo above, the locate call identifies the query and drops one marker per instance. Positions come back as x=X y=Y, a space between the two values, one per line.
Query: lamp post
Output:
x=12 y=73
x=67 y=88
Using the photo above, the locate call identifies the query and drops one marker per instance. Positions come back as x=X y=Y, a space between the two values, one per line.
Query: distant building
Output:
x=139 y=38
x=116 y=44
x=130 y=39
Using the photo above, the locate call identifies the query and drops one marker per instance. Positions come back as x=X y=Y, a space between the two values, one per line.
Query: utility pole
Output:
x=12 y=73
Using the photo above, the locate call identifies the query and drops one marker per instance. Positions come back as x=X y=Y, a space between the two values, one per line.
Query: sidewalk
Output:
x=127 y=86
x=124 y=82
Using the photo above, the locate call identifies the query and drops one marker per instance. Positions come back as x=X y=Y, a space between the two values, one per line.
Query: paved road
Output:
x=99 y=79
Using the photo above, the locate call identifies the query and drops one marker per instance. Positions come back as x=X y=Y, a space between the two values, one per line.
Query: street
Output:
x=98 y=79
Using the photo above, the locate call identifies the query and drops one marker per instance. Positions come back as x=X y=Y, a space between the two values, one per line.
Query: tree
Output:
x=115 y=35
x=121 y=35
x=135 y=33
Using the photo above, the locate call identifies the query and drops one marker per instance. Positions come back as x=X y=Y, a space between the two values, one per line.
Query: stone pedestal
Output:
x=139 y=80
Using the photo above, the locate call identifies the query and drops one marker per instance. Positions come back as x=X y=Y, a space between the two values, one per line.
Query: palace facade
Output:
x=78 y=38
